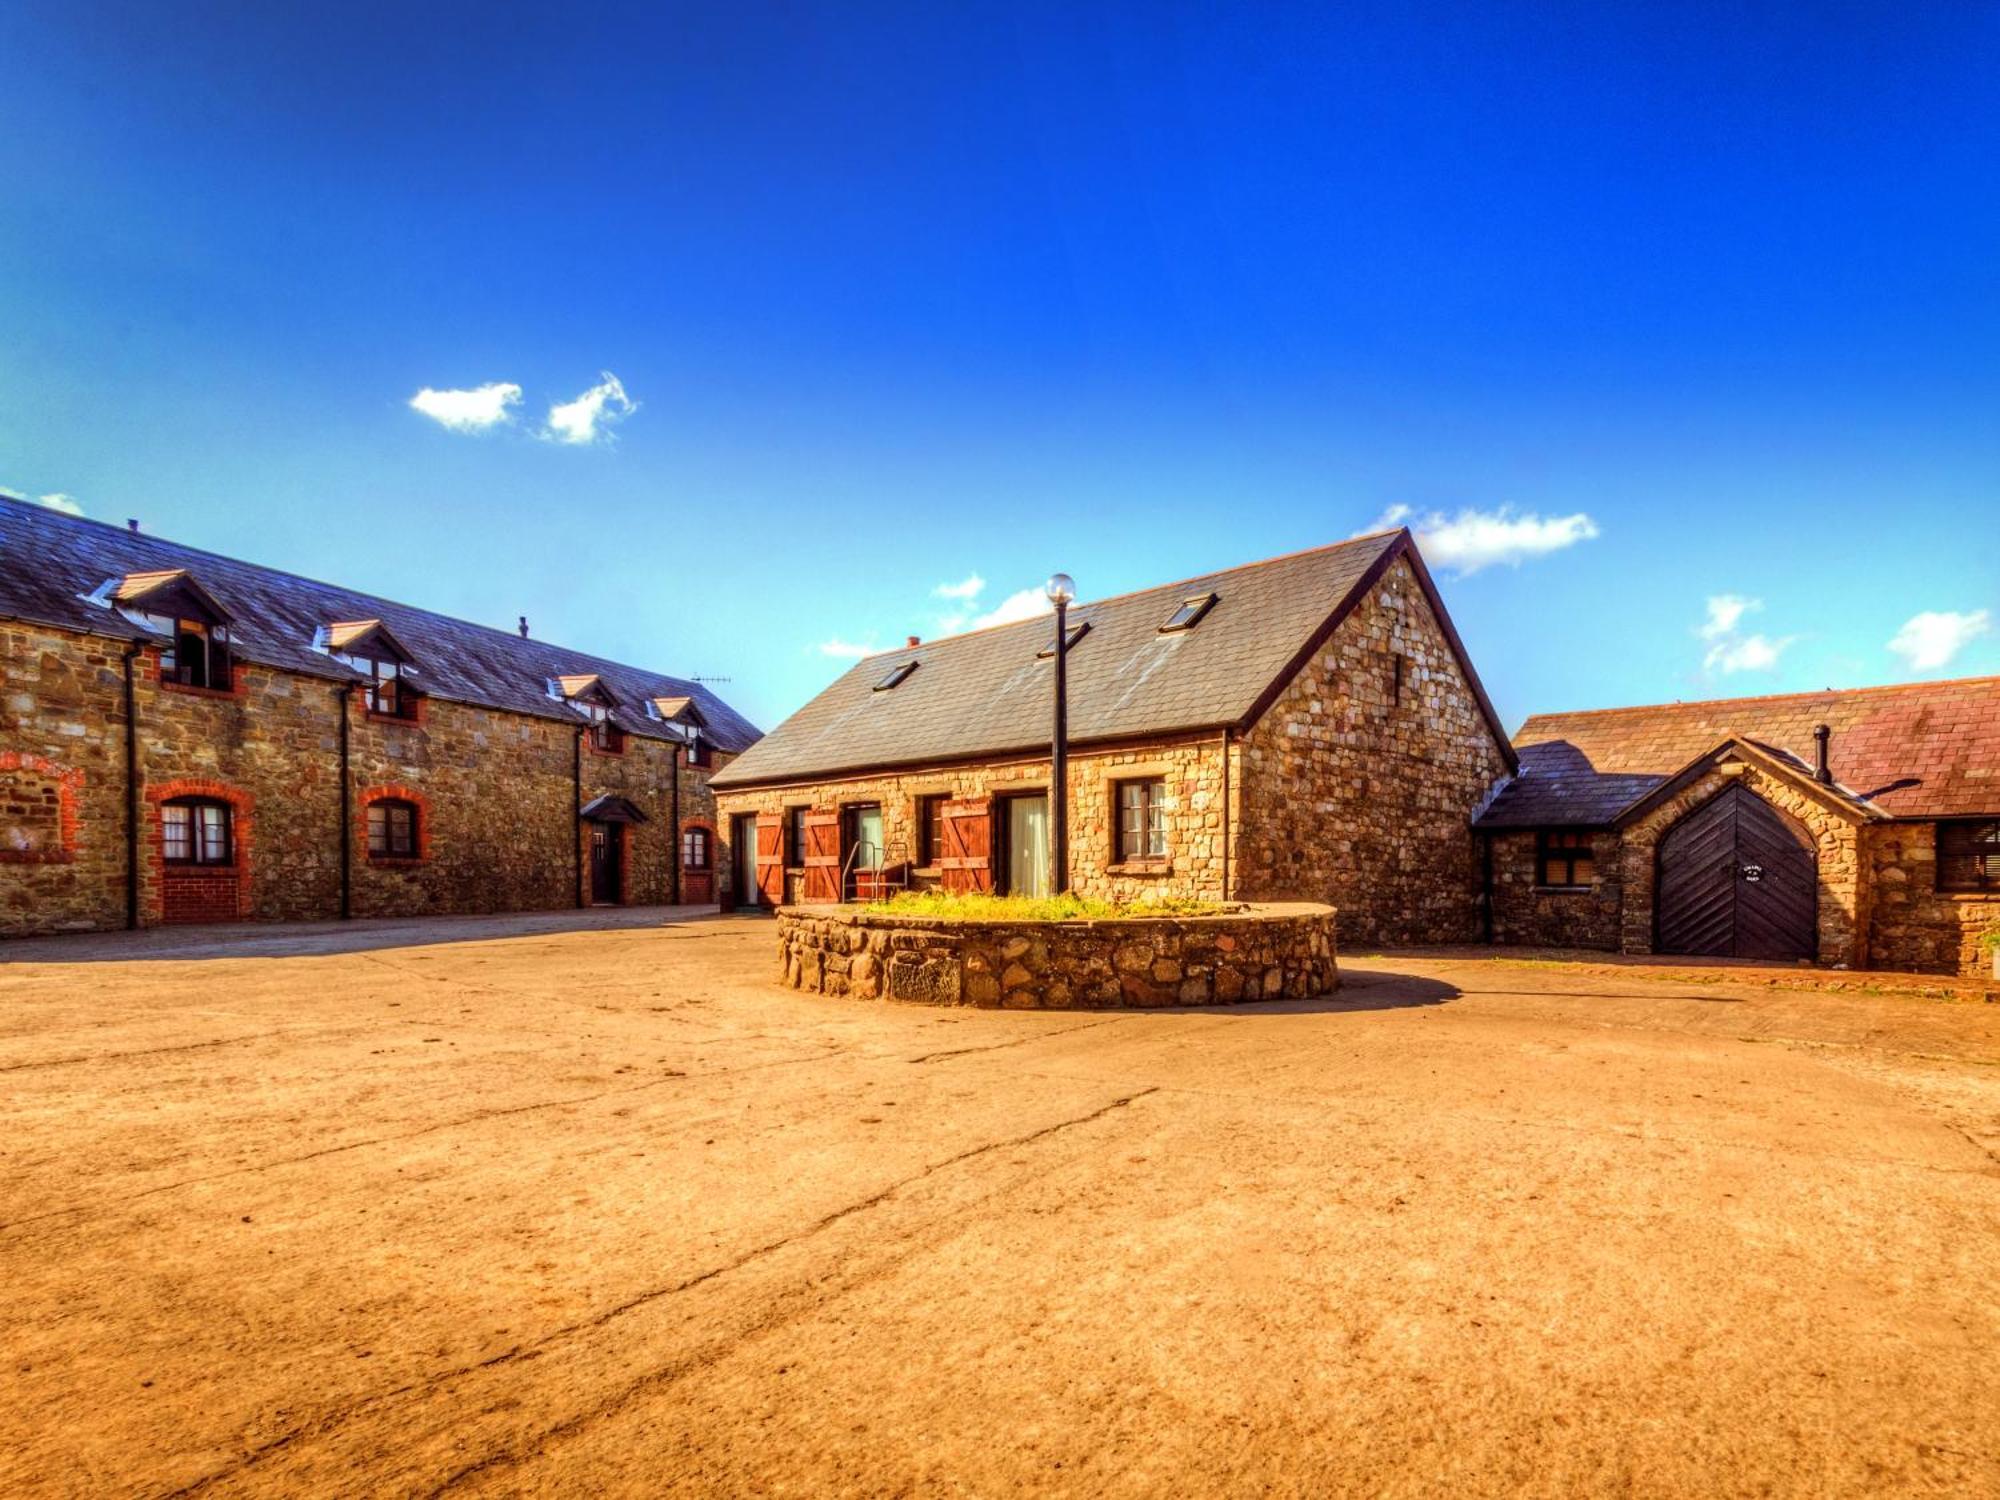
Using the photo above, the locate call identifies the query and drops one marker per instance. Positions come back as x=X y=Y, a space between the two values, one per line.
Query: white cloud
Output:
x=1022 y=605
x=1750 y=653
x=968 y=590
x=1475 y=539
x=1725 y=612
x=1930 y=640
x=847 y=650
x=468 y=411
x=67 y=504
x=590 y=416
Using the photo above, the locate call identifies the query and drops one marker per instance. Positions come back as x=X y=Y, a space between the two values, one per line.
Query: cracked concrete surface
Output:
x=588 y=1207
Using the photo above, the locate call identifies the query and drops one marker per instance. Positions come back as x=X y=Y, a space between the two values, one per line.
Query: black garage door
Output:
x=1737 y=880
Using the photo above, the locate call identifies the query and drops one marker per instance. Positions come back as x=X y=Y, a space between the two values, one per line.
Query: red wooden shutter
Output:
x=822 y=856
x=771 y=859
x=966 y=861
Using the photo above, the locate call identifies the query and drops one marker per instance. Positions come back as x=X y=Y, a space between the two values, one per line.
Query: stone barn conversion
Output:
x=1859 y=827
x=1308 y=728
x=185 y=737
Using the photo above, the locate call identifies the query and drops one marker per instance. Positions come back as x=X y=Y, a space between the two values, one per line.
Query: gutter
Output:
x=576 y=811
x=1225 y=814
x=132 y=651
x=346 y=813
x=674 y=828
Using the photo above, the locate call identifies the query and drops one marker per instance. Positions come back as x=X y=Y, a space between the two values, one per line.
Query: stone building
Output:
x=187 y=737
x=1305 y=728
x=1859 y=827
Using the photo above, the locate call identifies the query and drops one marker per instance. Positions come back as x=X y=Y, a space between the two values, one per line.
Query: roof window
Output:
x=1076 y=633
x=1189 y=614
x=897 y=674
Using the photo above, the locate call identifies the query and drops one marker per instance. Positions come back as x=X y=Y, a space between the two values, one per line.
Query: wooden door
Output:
x=605 y=872
x=697 y=866
x=771 y=859
x=1737 y=879
x=965 y=855
x=822 y=856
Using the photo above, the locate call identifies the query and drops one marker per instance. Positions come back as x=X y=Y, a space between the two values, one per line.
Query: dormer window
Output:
x=698 y=753
x=1075 y=633
x=586 y=693
x=198 y=657
x=1188 y=613
x=898 y=675
x=171 y=604
x=369 y=648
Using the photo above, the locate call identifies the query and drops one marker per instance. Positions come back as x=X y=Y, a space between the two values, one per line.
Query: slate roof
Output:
x=50 y=561
x=987 y=693
x=1914 y=750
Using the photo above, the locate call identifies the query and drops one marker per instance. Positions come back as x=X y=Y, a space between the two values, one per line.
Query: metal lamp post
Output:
x=1061 y=590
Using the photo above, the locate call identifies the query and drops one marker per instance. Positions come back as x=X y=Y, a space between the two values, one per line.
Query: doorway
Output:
x=743 y=846
x=607 y=864
x=861 y=850
x=1738 y=879
x=1026 y=857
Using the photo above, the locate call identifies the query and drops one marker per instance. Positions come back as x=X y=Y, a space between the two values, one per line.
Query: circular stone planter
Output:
x=1276 y=952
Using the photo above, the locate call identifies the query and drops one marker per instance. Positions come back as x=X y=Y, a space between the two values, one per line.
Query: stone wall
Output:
x=1192 y=770
x=1913 y=925
x=495 y=789
x=1264 y=953
x=1532 y=915
x=1358 y=785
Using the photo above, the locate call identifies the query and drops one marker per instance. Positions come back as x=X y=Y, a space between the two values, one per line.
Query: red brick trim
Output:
x=69 y=822
x=241 y=831
x=404 y=794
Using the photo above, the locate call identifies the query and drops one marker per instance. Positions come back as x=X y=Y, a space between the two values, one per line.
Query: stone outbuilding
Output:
x=1857 y=828
x=185 y=737
x=1304 y=729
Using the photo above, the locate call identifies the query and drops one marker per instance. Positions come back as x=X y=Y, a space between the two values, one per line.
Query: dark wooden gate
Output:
x=771 y=859
x=1737 y=879
x=965 y=826
x=606 y=875
x=822 y=856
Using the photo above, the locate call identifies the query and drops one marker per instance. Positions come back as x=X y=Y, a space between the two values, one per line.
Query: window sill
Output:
x=1972 y=896
x=167 y=684
x=396 y=861
x=175 y=871
x=1141 y=867
x=376 y=716
x=1564 y=890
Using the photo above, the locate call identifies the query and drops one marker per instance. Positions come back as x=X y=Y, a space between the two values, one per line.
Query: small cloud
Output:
x=67 y=504
x=967 y=590
x=1022 y=605
x=1475 y=539
x=1750 y=653
x=1725 y=611
x=1930 y=640
x=846 y=650
x=473 y=410
x=592 y=415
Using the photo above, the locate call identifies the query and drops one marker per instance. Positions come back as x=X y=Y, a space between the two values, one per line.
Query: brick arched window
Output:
x=696 y=850
x=197 y=831
x=394 y=828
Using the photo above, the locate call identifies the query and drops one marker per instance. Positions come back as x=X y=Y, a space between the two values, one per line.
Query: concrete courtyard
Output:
x=576 y=1205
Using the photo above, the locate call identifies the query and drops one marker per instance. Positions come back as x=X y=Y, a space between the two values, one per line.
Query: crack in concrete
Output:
x=88 y=1057
x=332 y=1420
x=1019 y=1041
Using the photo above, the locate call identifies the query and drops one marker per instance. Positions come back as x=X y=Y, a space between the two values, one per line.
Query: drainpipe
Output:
x=674 y=829
x=346 y=814
x=131 y=793
x=1486 y=886
x=576 y=813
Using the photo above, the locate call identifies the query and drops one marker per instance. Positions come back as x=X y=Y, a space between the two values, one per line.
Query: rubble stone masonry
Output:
x=495 y=791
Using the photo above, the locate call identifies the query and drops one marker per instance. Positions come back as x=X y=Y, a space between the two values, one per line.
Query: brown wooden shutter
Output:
x=771 y=859
x=965 y=863
x=822 y=856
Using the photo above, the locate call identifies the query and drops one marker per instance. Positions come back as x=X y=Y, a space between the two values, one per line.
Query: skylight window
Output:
x=897 y=674
x=1076 y=633
x=1190 y=612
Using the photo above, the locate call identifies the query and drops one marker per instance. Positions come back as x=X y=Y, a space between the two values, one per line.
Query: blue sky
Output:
x=1631 y=309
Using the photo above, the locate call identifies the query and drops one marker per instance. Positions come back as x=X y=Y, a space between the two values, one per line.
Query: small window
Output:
x=694 y=849
x=1142 y=819
x=1189 y=612
x=1075 y=633
x=1563 y=860
x=930 y=829
x=697 y=746
x=199 y=656
x=1398 y=669
x=386 y=693
x=195 y=831
x=897 y=674
x=392 y=829
x=1968 y=856
x=795 y=835
x=604 y=735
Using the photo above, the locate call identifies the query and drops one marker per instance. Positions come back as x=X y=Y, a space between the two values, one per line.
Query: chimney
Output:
x=1822 y=772
x=915 y=640
x=524 y=627
x=132 y=523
